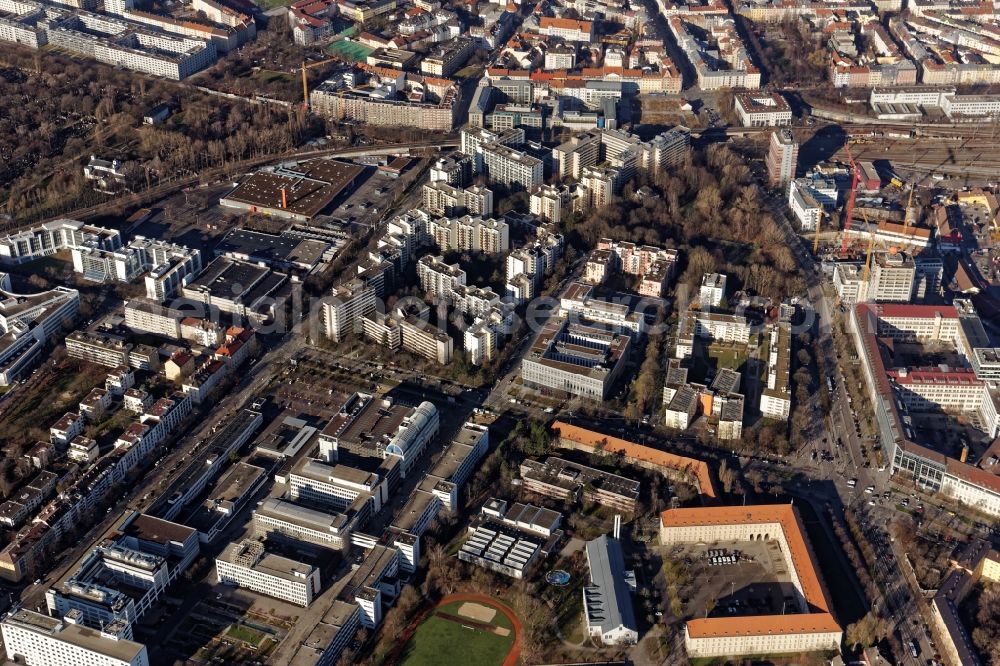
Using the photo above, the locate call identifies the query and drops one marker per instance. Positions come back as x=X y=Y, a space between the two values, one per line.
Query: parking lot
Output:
x=736 y=578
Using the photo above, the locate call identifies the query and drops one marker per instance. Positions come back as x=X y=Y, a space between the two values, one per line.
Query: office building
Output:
x=282 y=520
x=378 y=428
x=39 y=640
x=575 y=359
x=559 y=479
x=328 y=638
x=578 y=303
x=763 y=110
x=336 y=487
x=51 y=237
x=248 y=565
x=900 y=393
x=126 y=573
x=28 y=322
x=237 y=287
x=776 y=397
x=893 y=278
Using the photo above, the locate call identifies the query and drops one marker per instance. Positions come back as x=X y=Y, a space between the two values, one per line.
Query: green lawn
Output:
x=727 y=357
x=245 y=635
x=269 y=75
x=440 y=641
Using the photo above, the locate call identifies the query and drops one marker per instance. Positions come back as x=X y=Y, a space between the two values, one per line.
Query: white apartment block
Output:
x=247 y=565
x=713 y=289
x=804 y=206
x=442 y=198
x=438 y=278
x=343 y=312
x=510 y=167
x=623 y=152
x=480 y=342
x=470 y=233
x=601 y=185
x=553 y=202
x=51 y=237
x=39 y=640
x=426 y=340
x=473 y=140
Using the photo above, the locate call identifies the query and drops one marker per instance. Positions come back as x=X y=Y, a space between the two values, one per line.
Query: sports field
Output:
x=350 y=50
x=461 y=632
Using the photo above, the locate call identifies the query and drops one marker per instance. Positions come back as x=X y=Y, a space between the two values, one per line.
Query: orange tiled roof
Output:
x=784 y=515
x=564 y=24
x=639 y=452
x=759 y=625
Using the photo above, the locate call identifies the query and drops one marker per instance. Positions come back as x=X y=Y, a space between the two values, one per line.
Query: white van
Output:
x=852 y=482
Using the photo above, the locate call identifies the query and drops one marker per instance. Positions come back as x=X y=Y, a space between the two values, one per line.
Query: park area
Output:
x=469 y=632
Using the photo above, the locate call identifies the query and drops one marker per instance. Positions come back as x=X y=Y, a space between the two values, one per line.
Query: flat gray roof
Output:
x=75 y=634
x=302 y=516
x=607 y=597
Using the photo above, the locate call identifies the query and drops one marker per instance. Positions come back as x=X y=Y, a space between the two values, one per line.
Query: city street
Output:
x=898 y=600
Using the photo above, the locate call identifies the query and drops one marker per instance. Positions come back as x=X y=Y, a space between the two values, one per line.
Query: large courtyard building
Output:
x=903 y=394
x=811 y=628
x=575 y=359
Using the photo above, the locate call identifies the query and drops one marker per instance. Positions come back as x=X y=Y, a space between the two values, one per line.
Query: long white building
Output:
x=246 y=564
x=40 y=640
x=899 y=393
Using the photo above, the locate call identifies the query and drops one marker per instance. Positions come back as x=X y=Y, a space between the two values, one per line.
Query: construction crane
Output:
x=305 y=79
x=906 y=211
x=849 y=208
x=871 y=249
x=819 y=223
